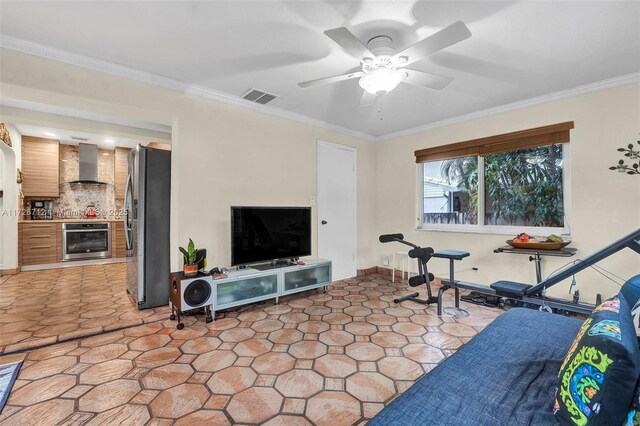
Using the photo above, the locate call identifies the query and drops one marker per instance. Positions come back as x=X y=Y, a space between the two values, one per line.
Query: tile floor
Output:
x=332 y=358
x=42 y=307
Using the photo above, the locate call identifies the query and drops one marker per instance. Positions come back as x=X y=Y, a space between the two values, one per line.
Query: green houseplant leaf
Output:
x=190 y=253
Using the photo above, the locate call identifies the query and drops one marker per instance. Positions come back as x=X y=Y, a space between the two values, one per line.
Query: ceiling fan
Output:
x=383 y=68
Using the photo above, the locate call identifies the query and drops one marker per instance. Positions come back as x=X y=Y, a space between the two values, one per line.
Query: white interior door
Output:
x=337 y=208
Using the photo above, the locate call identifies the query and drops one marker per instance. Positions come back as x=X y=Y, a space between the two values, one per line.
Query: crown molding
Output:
x=66 y=57
x=12 y=106
x=550 y=97
x=63 y=56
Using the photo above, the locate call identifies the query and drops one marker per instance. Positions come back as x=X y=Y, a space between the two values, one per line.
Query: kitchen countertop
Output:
x=68 y=220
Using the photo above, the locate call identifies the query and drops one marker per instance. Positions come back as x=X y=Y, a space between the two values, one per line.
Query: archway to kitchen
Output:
x=72 y=250
x=8 y=201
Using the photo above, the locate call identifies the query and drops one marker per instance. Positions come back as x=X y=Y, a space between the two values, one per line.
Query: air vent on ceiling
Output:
x=259 y=96
x=79 y=138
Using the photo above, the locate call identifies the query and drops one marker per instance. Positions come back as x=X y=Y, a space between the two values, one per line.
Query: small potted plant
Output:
x=190 y=267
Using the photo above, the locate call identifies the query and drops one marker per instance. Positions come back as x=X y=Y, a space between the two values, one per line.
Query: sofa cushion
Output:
x=598 y=377
x=506 y=375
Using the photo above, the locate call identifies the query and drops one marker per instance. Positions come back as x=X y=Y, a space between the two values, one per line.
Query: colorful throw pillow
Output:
x=635 y=313
x=598 y=377
x=633 y=418
x=631 y=292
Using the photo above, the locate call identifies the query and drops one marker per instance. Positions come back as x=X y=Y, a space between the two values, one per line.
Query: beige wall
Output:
x=222 y=155
x=605 y=205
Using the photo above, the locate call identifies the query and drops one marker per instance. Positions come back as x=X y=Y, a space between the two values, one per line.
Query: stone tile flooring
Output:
x=332 y=358
x=42 y=307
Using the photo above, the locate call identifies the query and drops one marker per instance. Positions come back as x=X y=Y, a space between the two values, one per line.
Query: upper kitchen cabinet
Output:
x=41 y=167
x=120 y=175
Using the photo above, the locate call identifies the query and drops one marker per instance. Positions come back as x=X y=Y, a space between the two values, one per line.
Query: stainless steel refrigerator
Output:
x=146 y=226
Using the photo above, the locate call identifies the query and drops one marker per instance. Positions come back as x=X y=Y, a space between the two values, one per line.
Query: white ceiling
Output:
x=519 y=50
x=32 y=120
x=65 y=136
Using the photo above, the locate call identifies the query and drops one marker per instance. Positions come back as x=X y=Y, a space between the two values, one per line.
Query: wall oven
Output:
x=86 y=240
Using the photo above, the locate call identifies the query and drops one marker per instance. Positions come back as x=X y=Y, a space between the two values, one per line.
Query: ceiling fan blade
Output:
x=425 y=79
x=350 y=43
x=454 y=33
x=328 y=80
x=367 y=99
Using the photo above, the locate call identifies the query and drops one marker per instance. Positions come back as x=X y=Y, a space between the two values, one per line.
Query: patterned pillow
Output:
x=633 y=418
x=598 y=377
x=631 y=292
x=635 y=313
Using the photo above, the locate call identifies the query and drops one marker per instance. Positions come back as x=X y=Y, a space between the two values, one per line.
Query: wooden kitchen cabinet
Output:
x=38 y=243
x=118 y=245
x=41 y=167
x=120 y=173
x=59 y=245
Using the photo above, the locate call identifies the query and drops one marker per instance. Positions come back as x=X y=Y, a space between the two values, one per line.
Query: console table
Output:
x=536 y=255
x=245 y=286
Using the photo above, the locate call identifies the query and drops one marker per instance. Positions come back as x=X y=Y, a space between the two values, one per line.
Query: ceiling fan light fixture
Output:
x=381 y=81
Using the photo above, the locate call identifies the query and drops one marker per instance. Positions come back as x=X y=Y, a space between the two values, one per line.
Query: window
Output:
x=450 y=191
x=501 y=189
x=525 y=188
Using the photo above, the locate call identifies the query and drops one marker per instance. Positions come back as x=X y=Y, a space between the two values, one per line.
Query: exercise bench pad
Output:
x=510 y=288
x=419 y=279
x=451 y=254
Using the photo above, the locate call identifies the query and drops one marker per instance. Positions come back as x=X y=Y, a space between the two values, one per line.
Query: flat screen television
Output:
x=260 y=234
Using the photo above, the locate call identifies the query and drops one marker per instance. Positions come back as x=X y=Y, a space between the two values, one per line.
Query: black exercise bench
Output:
x=454 y=255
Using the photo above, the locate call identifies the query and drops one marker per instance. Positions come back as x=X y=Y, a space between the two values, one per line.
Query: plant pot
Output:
x=190 y=270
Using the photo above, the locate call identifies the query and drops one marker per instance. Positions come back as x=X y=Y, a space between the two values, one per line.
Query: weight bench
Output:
x=424 y=276
x=510 y=289
x=454 y=255
x=424 y=255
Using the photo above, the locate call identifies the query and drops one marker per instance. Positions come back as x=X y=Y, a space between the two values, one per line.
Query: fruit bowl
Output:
x=539 y=245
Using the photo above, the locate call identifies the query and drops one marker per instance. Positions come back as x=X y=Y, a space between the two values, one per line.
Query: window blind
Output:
x=523 y=139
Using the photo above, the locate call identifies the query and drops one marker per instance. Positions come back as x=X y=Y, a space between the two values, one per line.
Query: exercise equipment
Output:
x=511 y=291
x=424 y=276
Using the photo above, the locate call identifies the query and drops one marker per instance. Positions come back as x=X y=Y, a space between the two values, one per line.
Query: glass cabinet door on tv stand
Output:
x=245 y=289
x=306 y=277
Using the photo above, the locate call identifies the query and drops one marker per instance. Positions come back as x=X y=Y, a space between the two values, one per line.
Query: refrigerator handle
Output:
x=128 y=206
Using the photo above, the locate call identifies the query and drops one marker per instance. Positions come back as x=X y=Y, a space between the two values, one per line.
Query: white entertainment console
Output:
x=245 y=286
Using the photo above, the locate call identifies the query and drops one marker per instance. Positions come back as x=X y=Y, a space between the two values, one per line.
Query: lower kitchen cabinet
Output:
x=38 y=243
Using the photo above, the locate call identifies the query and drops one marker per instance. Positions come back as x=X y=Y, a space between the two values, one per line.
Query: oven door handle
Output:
x=86 y=230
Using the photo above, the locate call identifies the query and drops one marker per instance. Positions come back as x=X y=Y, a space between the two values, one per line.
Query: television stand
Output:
x=252 y=285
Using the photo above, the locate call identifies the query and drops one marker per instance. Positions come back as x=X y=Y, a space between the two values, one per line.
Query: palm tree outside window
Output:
x=517 y=188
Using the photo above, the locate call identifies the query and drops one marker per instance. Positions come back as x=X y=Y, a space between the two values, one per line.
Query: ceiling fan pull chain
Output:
x=380 y=107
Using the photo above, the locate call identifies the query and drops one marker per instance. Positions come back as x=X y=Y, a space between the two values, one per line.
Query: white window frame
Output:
x=481 y=228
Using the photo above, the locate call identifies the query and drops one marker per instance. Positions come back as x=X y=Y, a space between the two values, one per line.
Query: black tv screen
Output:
x=261 y=234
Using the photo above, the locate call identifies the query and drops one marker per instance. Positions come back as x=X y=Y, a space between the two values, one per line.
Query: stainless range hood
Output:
x=88 y=165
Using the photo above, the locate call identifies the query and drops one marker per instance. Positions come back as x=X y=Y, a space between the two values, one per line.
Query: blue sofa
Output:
x=506 y=375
